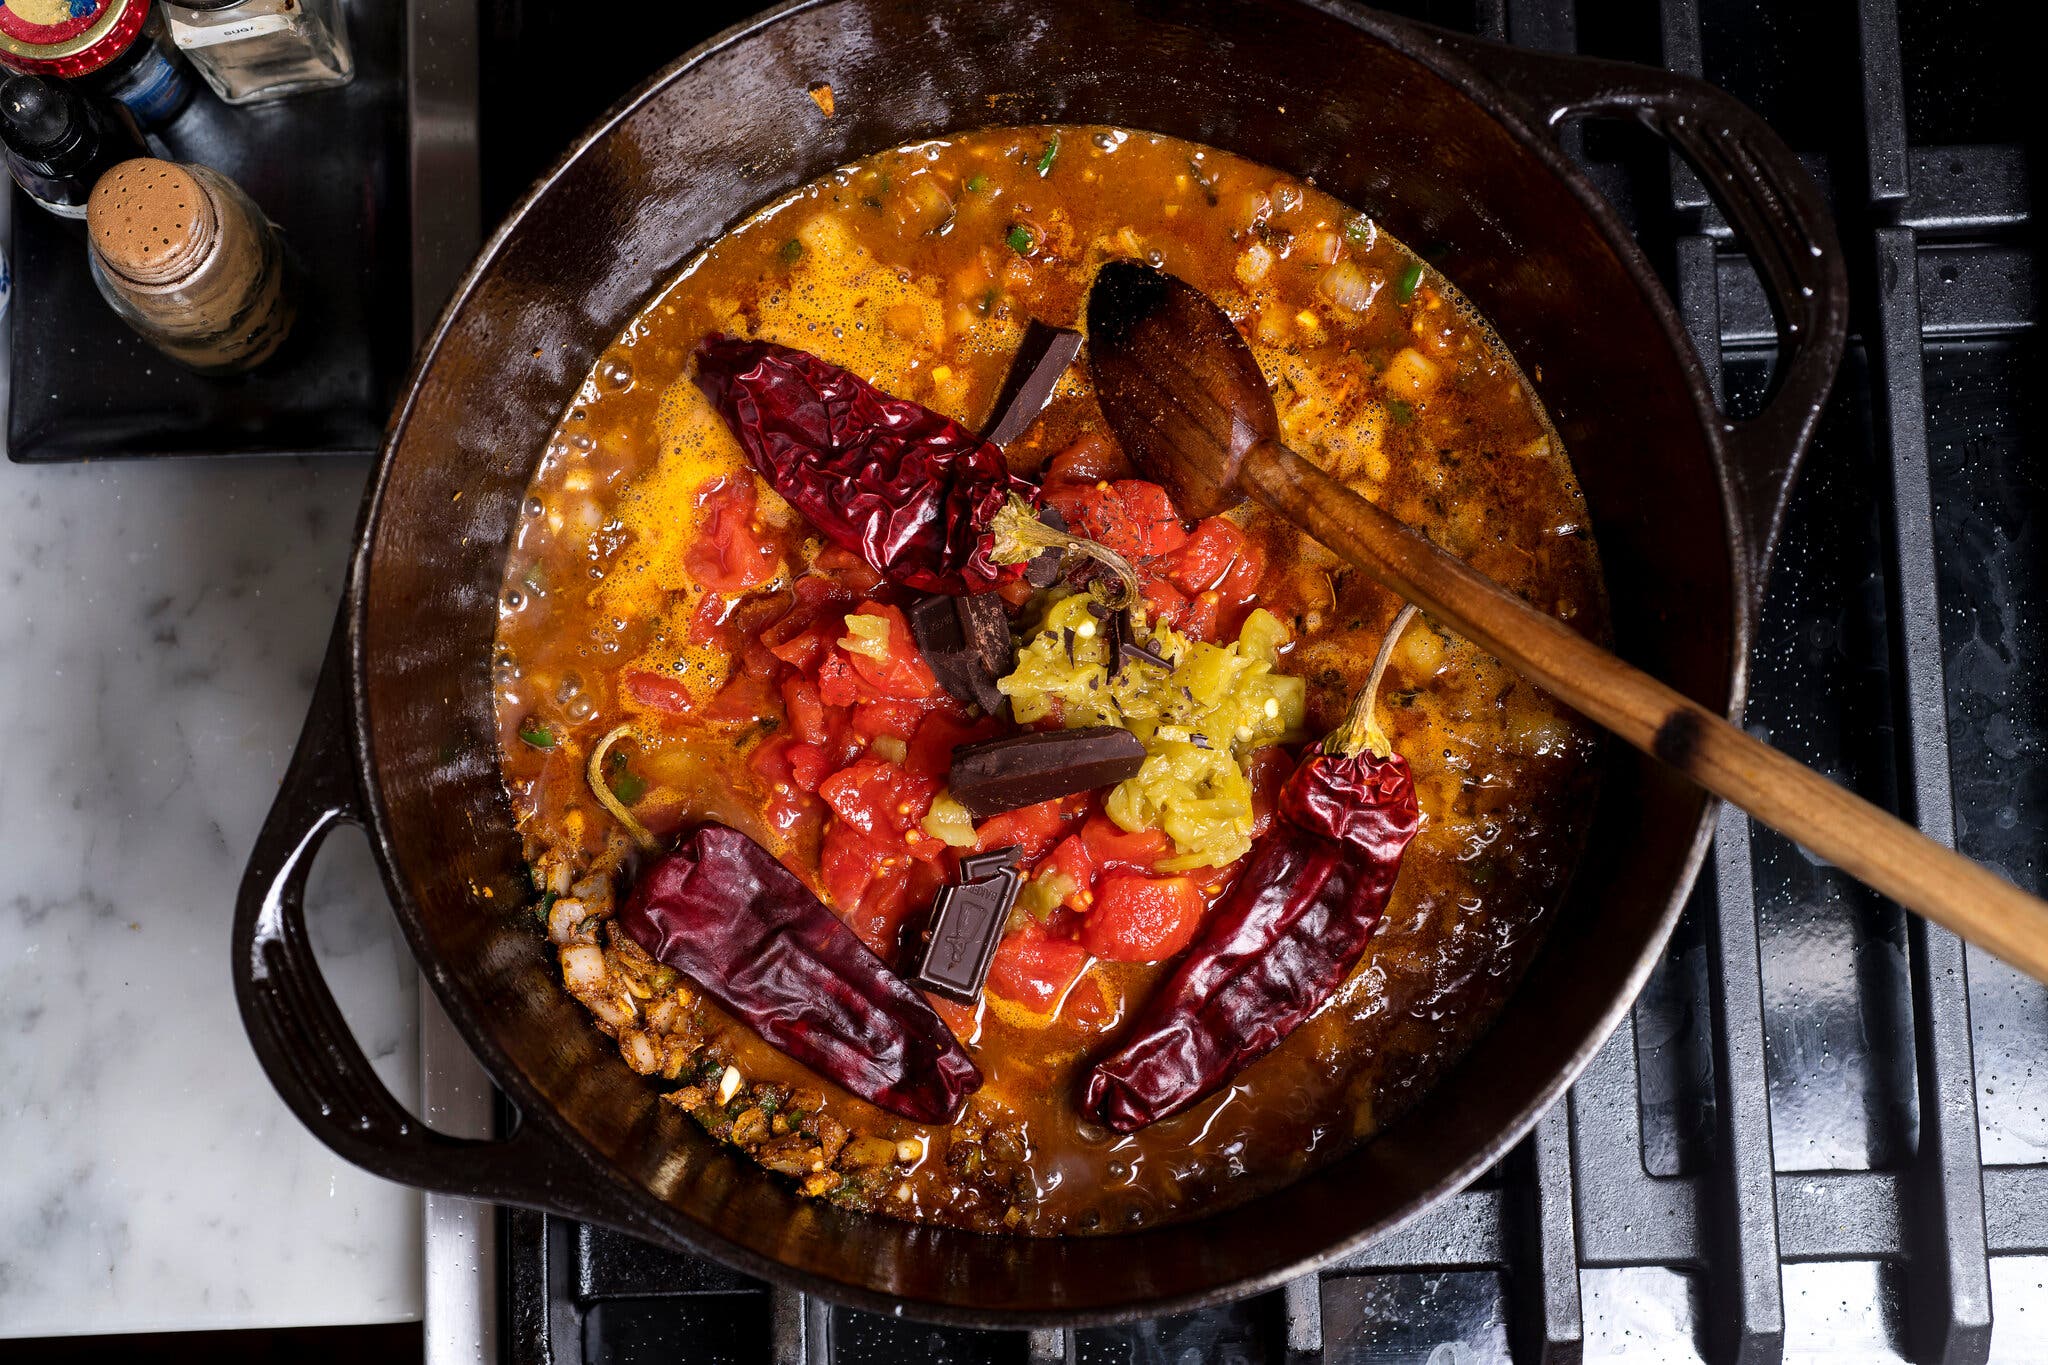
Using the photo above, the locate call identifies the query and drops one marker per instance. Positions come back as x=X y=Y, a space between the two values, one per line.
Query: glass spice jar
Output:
x=191 y=263
x=115 y=48
x=250 y=50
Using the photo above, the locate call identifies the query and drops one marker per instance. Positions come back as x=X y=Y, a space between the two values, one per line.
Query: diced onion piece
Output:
x=1410 y=372
x=867 y=634
x=948 y=820
x=1348 y=286
x=1254 y=263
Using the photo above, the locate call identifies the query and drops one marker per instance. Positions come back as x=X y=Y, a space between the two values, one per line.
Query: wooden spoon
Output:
x=1185 y=397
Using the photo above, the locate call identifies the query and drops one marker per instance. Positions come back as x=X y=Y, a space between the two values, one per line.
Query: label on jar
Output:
x=194 y=36
x=156 y=89
x=61 y=210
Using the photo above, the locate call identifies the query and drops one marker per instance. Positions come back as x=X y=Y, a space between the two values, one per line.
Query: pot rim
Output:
x=1431 y=47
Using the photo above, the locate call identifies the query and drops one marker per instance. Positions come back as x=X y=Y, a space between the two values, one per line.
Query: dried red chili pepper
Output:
x=1294 y=924
x=724 y=912
x=907 y=489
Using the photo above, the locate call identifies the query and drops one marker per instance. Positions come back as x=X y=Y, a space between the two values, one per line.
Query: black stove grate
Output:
x=1786 y=1151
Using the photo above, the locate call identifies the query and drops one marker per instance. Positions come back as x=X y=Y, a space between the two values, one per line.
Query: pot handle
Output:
x=1778 y=216
x=297 y=1030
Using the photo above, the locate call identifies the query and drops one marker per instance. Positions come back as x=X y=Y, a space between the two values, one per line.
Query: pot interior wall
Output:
x=1282 y=83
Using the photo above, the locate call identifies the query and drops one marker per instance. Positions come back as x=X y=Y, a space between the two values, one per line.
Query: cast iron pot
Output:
x=1447 y=141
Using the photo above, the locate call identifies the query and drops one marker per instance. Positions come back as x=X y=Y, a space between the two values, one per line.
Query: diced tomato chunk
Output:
x=1142 y=919
x=1165 y=600
x=787 y=803
x=1202 y=617
x=1089 y=458
x=729 y=553
x=657 y=692
x=744 y=698
x=1034 y=969
x=1110 y=846
x=808 y=765
x=1036 y=828
x=847 y=570
x=838 y=684
x=1207 y=554
x=873 y=719
x=1153 y=513
x=880 y=799
x=868 y=883
x=805 y=710
x=900 y=672
x=931 y=748
x=1071 y=859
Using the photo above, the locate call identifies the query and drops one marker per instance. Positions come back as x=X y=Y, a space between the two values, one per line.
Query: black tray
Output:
x=331 y=169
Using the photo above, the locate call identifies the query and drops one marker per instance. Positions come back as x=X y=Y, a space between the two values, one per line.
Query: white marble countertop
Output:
x=160 y=627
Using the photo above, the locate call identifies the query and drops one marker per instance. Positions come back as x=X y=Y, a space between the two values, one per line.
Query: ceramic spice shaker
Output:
x=190 y=263
x=60 y=141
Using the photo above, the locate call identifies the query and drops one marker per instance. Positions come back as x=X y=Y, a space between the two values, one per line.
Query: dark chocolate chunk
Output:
x=1022 y=770
x=967 y=923
x=967 y=642
x=1044 y=571
x=1145 y=654
x=1042 y=357
x=986 y=627
x=935 y=625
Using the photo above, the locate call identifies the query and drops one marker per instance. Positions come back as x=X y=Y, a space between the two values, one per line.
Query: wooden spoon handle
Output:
x=1870 y=844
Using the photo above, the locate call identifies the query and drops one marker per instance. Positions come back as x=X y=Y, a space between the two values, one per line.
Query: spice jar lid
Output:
x=67 y=37
x=151 y=220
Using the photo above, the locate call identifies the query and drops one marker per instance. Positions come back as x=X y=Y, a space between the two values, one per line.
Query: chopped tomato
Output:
x=657 y=692
x=880 y=799
x=1089 y=458
x=1015 y=591
x=1152 y=511
x=847 y=570
x=1110 y=846
x=1202 y=617
x=1142 y=919
x=962 y=1021
x=808 y=765
x=931 y=748
x=1165 y=600
x=729 y=553
x=811 y=624
x=868 y=884
x=806 y=710
x=838 y=684
x=1093 y=511
x=1240 y=583
x=789 y=803
x=1071 y=859
x=1035 y=828
x=1034 y=969
x=875 y=718
x=744 y=698
x=1268 y=770
x=899 y=672
x=1207 y=554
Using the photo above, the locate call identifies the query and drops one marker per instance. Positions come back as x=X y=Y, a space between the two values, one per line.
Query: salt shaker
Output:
x=250 y=50
x=191 y=263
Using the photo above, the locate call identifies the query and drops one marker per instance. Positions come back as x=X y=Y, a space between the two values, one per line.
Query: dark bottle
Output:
x=60 y=141
x=116 y=48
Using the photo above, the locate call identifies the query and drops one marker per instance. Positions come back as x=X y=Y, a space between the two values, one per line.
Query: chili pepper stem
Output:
x=1020 y=536
x=606 y=797
x=1361 y=727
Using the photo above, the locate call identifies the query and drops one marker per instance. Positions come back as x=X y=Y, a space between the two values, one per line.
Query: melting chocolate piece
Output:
x=1146 y=654
x=1042 y=357
x=967 y=642
x=967 y=923
x=1022 y=770
x=1044 y=571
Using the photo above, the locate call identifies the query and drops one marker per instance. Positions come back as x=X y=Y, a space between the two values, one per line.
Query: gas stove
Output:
x=1822 y=1134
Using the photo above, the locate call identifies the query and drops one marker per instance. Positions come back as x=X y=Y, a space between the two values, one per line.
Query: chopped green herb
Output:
x=1359 y=231
x=1045 y=159
x=792 y=251
x=975 y=184
x=536 y=581
x=887 y=184
x=988 y=301
x=1020 y=239
x=1405 y=282
x=537 y=734
x=1401 y=411
x=544 y=905
x=871 y=201
x=628 y=787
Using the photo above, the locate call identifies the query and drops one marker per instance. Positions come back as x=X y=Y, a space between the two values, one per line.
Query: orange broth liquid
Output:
x=903 y=268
